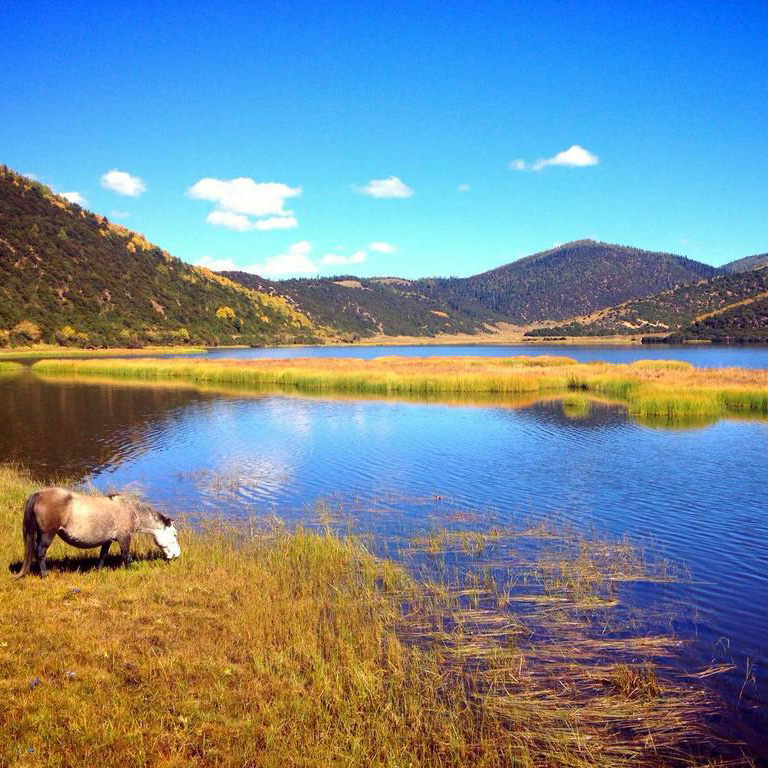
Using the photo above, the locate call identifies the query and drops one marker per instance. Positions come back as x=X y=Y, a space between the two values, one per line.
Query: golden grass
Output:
x=7 y=368
x=261 y=647
x=660 y=389
x=46 y=351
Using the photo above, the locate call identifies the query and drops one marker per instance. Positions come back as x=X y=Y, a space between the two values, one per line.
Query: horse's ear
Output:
x=166 y=520
x=111 y=496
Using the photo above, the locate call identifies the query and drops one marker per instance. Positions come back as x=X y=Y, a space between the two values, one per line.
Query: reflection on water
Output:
x=392 y=467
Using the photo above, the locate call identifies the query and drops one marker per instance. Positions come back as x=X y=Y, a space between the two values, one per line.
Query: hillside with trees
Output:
x=575 y=278
x=570 y=280
x=670 y=311
x=758 y=261
x=361 y=307
x=71 y=277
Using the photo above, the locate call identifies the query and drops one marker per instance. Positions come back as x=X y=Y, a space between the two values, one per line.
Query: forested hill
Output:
x=360 y=307
x=758 y=261
x=72 y=277
x=573 y=279
x=576 y=278
x=670 y=311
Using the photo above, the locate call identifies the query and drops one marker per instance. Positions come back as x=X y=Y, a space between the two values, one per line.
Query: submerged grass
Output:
x=662 y=389
x=264 y=647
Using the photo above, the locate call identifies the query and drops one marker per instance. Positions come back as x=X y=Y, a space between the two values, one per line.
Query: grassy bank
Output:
x=665 y=389
x=47 y=350
x=264 y=647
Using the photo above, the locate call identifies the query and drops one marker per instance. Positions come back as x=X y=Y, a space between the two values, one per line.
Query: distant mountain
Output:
x=576 y=278
x=73 y=277
x=758 y=261
x=573 y=279
x=360 y=307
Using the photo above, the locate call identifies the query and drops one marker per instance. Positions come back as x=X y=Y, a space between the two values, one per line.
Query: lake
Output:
x=697 y=494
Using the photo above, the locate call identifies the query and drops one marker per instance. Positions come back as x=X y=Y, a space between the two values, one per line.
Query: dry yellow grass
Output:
x=266 y=648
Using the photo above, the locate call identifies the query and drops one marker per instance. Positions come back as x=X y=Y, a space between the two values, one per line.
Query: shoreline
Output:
x=266 y=645
x=649 y=388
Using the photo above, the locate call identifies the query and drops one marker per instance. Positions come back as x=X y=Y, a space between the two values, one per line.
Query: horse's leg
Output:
x=43 y=542
x=103 y=554
x=125 y=549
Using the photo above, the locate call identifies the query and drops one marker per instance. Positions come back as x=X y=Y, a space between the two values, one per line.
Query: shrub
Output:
x=25 y=332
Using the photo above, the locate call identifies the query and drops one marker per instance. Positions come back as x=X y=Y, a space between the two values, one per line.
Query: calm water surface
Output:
x=699 y=494
x=704 y=356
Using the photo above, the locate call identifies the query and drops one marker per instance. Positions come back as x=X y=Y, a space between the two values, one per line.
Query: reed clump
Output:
x=266 y=647
x=9 y=368
x=663 y=389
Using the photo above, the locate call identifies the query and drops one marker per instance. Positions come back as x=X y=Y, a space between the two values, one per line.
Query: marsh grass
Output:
x=8 y=368
x=665 y=390
x=46 y=351
x=267 y=647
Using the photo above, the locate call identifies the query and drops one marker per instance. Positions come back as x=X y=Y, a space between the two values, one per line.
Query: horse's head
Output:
x=165 y=534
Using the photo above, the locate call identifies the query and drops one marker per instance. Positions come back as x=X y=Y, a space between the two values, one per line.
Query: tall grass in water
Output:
x=261 y=647
x=7 y=368
x=46 y=351
x=663 y=389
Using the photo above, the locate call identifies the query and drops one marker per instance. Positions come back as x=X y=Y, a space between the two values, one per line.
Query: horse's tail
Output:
x=29 y=533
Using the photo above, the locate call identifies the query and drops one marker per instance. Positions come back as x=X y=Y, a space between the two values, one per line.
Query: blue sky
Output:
x=397 y=125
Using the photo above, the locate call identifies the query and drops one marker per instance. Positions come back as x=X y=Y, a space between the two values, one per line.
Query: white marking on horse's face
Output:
x=167 y=539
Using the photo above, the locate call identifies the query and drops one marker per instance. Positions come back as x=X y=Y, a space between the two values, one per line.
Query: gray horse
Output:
x=86 y=521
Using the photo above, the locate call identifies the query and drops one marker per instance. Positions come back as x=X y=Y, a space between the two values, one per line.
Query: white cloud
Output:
x=336 y=259
x=119 y=214
x=234 y=221
x=390 y=187
x=239 y=199
x=237 y=222
x=217 y=265
x=75 y=197
x=381 y=247
x=573 y=157
x=277 y=222
x=123 y=183
x=463 y=188
x=294 y=261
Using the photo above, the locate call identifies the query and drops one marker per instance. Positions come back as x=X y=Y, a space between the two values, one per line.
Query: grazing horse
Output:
x=86 y=521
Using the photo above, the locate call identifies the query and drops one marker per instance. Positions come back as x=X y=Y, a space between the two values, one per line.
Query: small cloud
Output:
x=277 y=222
x=234 y=221
x=336 y=259
x=118 y=214
x=31 y=176
x=573 y=157
x=237 y=222
x=216 y=265
x=381 y=247
x=123 y=183
x=463 y=188
x=75 y=197
x=237 y=200
x=294 y=261
x=391 y=187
